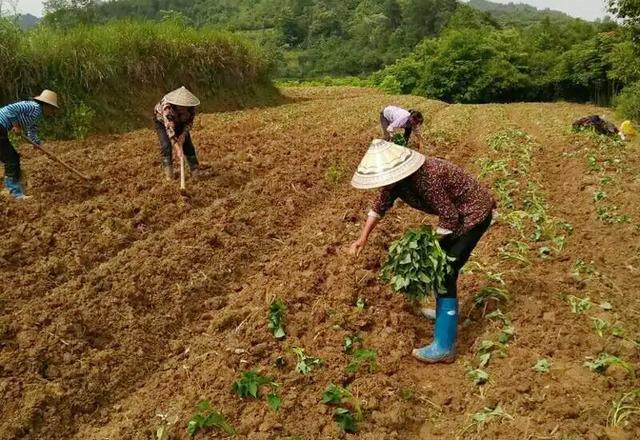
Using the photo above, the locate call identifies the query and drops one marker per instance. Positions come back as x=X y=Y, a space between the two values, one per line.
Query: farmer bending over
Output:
x=435 y=186
x=393 y=118
x=22 y=116
x=173 y=119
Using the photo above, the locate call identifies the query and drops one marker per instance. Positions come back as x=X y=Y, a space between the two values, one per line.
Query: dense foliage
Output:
x=477 y=60
x=110 y=76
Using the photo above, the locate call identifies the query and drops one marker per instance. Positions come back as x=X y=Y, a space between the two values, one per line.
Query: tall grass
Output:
x=121 y=69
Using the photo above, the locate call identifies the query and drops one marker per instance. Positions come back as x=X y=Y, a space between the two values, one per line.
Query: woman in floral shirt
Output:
x=173 y=118
x=464 y=207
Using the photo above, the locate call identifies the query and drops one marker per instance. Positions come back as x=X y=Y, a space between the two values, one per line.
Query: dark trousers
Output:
x=384 y=123
x=9 y=156
x=460 y=248
x=166 y=150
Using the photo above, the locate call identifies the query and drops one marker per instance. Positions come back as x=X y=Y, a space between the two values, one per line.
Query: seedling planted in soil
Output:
x=276 y=319
x=604 y=360
x=479 y=376
x=346 y=418
x=305 y=364
x=249 y=386
x=349 y=341
x=485 y=416
x=417 y=265
x=206 y=418
x=624 y=408
x=360 y=357
x=542 y=366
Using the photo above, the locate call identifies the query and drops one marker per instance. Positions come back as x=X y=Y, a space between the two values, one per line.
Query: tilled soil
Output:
x=123 y=300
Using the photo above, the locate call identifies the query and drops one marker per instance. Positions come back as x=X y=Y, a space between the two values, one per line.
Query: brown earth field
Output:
x=123 y=304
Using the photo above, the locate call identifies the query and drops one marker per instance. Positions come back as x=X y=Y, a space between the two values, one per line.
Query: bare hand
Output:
x=357 y=247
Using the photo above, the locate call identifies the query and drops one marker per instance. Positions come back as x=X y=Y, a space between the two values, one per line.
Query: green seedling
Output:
x=592 y=163
x=516 y=219
x=600 y=326
x=274 y=401
x=250 y=383
x=599 y=196
x=544 y=252
x=578 y=305
x=399 y=139
x=360 y=357
x=361 y=304
x=406 y=394
x=607 y=181
x=506 y=334
x=491 y=166
x=305 y=364
x=604 y=360
x=276 y=319
x=488 y=294
x=487 y=349
x=479 y=377
x=206 y=418
x=334 y=173
x=498 y=315
x=627 y=406
x=346 y=418
x=349 y=342
x=515 y=251
x=505 y=187
x=417 y=265
x=485 y=416
x=542 y=366
x=163 y=432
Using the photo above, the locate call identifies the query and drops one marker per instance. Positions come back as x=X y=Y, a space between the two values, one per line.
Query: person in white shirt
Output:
x=393 y=118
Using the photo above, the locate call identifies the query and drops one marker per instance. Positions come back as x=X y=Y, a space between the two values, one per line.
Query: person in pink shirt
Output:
x=394 y=118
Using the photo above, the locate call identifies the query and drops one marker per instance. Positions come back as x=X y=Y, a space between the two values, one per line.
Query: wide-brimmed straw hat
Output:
x=182 y=97
x=48 y=97
x=386 y=163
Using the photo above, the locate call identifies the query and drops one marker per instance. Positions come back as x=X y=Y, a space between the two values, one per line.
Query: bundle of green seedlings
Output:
x=417 y=265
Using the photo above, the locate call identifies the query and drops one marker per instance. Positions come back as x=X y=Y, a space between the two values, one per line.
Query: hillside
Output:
x=125 y=304
x=518 y=13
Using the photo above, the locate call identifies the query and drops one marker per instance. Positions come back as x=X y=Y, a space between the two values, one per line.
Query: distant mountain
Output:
x=518 y=13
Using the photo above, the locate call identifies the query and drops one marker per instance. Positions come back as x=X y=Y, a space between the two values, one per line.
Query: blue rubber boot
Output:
x=14 y=187
x=443 y=348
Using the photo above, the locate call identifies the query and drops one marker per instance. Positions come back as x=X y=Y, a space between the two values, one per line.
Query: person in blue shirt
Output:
x=22 y=116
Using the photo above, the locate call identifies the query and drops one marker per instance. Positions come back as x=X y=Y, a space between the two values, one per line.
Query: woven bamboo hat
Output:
x=48 y=97
x=386 y=163
x=182 y=97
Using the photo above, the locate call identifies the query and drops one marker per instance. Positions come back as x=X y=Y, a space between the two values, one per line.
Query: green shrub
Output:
x=628 y=102
x=390 y=85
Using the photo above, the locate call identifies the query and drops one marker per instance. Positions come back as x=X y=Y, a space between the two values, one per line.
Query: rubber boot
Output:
x=194 y=165
x=167 y=168
x=15 y=188
x=443 y=348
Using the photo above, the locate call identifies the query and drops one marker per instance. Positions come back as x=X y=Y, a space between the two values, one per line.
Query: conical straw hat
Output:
x=386 y=163
x=182 y=97
x=48 y=97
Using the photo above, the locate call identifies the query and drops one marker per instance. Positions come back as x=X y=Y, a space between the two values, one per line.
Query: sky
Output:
x=588 y=9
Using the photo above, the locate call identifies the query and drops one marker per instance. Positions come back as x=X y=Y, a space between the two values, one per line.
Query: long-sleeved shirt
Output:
x=444 y=189
x=397 y=117
x=23 y=114
x=177 y=120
